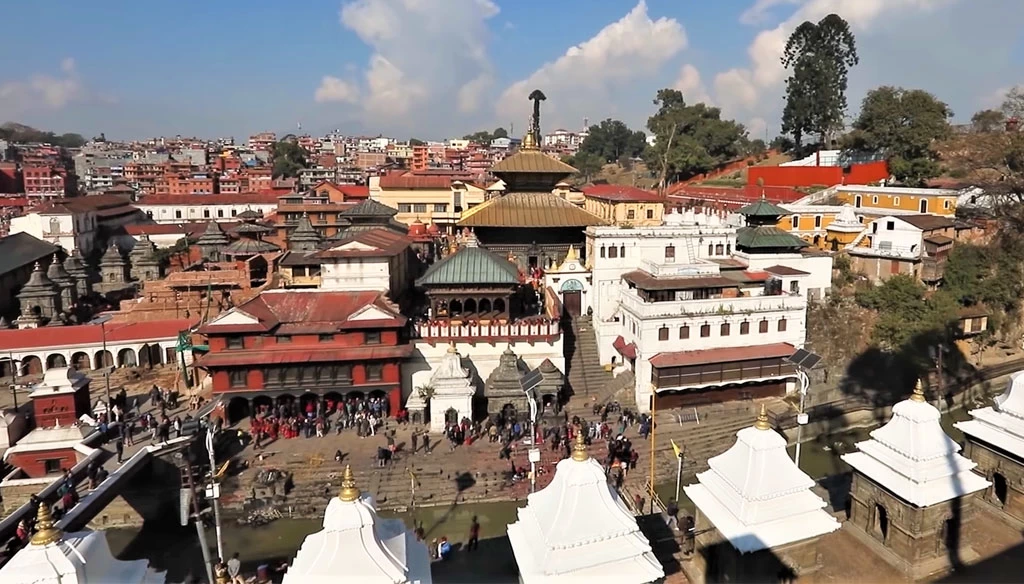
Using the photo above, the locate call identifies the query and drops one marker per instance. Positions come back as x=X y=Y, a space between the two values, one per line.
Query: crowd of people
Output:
x=314 y=418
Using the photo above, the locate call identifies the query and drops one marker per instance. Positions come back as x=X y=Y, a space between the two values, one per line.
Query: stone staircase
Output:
x=587 y=377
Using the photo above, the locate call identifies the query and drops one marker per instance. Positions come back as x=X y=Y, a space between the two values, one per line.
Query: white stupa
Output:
x=913 y=458
x=1001 y=425
x=53 y=557
x=356 y=545
x=453 y=390
x=578 y=530
x=756 y=496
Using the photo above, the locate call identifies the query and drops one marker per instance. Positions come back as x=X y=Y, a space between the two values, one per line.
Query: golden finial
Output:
x=571 y=255
x=349 y=490
x=579 y=450
x=47 y=531
x=452 y=349
x=762 y=422
x=529 y=141
x=918 y=394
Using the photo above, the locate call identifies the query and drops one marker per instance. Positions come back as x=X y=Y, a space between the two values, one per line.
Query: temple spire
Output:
x=918 y=394
x=762 y=422
x=349 y=490
x=47 y=531
x=579 y=449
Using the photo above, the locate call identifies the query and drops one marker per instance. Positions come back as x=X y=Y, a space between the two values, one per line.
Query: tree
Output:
x=989 y=120
x=485 y=137
x=416 y=142
x=690 y=139
x=904 y=313
x=587 y=163
x=1013 y=104
x=904 y=125
x=287 y=158
x=820 y=56
x=612 y=140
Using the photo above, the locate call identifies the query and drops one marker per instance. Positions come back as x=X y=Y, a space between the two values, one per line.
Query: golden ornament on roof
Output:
x=762 y=422
x=918 y=394
x=579 y=449
x=349 y=490
x=47 y=531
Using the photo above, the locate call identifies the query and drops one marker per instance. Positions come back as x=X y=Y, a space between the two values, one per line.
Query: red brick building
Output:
x=306 y=344
x=43 y=182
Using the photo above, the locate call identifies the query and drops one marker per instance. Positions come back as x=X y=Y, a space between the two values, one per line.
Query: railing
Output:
x=670 y=268
x=742 y=305
x=482 y=330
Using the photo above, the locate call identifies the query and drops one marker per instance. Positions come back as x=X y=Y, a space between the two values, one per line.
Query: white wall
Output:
x=76 y=231
x=356 y=274
x=818 y=268
x=199 y=211
x=895 y=235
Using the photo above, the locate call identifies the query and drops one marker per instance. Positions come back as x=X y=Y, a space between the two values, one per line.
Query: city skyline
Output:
x=361 y=66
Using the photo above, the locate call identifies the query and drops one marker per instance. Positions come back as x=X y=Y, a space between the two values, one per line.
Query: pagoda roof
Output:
x=304 y=231
x=38 y=281
x=578 y=529
x=213 y=235
x=912 y=456
x=21 y=249
x=534 y=162
x=251 y=228
x=528 y=210
x=246 y=246
x=112 y=256
x=762 y=208
x=756 y=496
x=767 y=237
x=249 y=214
x=56 y=272
x=307 y=312
x=369 y=208
x=470 y=265
x=1001 y=425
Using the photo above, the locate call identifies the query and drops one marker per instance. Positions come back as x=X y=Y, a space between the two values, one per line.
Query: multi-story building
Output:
x=43 y=182
x=306 y=344
x=621 y=205
x=904 y=244
x=308 y=177
x=430 y=197
x=10 y=178
x=262 y=141
x=219 y=208
x=565 y=140
x=933 y=201
x=79 y=223
x=366 y=159
x=186 y=184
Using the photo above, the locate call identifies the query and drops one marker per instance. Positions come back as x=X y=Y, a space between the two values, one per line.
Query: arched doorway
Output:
x=238 y=409
x=262 y=404
x=80 y=361
x=499 y=305
x=31 y=365
x=309 y=402
x=572 y=297
x=470 y=306
x=56 y=360
x=924 y=205
x=509 y=413
x=455 y=308
x=144 y=357
x=451 y=416
x=485 y=306
x=999 y=488
x=103 y=359
x=126 y=358
x=156 y=355
x=881 y=523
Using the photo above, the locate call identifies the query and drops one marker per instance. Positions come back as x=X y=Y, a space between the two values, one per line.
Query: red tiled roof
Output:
x=190 y=227
x=354 y=191
x=626 y=350
x=409 y=180
x=307 y=312
x=621 y=194
x=386 y=243
x=262 y=198
x=310 y=354
x=85 y=334
x=14 y=202
x=105 y=202
x=705 y=356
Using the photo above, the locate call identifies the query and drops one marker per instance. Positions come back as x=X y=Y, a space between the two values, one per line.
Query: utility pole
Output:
x=214 y=490
x=199 y=521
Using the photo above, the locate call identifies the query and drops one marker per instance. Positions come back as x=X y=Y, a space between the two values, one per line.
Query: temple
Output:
x=757 y=501
x=578 y=530
x=912 y=491
x=356 y=545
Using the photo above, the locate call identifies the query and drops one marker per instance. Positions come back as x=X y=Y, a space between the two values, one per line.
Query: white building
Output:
x=356 y=545
x=75 y=223
x=453 y=392
x=577 y=529
x=220 y=208
x=1002 y=424
x=378 y=259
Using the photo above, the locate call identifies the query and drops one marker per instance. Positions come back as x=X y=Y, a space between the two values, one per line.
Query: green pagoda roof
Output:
x=370 y=208
x=468 y=266
x=762 y=208
x=767 y=237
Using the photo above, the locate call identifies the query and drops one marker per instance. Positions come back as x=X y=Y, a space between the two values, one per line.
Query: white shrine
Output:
x=356 y=545
x=912 y=491
x=754 y=497
x=578 y=530
x=453 y=389
x=53 y=557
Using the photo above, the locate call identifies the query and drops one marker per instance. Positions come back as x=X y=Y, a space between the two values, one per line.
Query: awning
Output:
x=726 y=355
x=626 y=350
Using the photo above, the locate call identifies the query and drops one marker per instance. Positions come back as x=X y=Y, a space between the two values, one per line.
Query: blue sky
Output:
x=437 y=68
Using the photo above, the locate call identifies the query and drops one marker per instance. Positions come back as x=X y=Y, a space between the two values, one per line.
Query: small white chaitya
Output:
x=913 y=458
x=756 y=496
x=578 y=530
x=53 y=557
x=452 y=399
x=356 y=545
x=1001 y=425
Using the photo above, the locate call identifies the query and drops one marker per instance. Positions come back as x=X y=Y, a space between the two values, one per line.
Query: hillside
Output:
x=17 y=132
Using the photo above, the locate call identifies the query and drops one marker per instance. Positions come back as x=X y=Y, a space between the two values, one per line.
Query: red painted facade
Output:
x=809 y=176
x=60 y=410
x=44 y=462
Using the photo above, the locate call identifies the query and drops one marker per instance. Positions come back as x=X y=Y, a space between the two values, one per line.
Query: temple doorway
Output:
x=573 y=302
x=451 y=416
x=999 y=488
x=881 y=526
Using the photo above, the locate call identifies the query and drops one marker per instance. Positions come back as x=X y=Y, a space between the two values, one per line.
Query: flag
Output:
x=675 y=447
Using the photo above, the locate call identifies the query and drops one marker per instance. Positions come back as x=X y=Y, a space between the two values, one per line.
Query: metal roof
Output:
x=471 y=265
x=370 y=208
x=762 y=208
x=532 y=161
x=767 y=237
x=529 y=210
x=20 y=249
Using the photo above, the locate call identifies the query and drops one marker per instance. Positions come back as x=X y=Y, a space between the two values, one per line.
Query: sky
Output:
x=434 y=69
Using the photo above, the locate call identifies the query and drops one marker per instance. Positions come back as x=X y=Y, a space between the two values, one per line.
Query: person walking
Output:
x=426 y=443
x=415 y=441
x=474 y=535
x=119 y=446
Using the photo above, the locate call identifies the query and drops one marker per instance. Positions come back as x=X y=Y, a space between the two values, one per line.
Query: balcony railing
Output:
x=487 y=331
x=669 y=268
x=741 y=305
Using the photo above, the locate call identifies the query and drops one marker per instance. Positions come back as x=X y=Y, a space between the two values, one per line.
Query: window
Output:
x=220 y=213
x=670 y=252
x=419 y=208
x=684 y=332
x=762 y=327
x=405 y=207
x=284 y=339
x=945 y=204
x=719 y=249
x=663 y=333
x=322 y=217
x=796 y=222
x=206 y=213
x=631 y=214
x=235 y=342
x=371 y=338
x=896 y=201
x=650 y=213
x=711 y=249
x=236 y=377
x=744 y=328
x=374 y=372
x=234 y=212
x=150 y=213
x=724 y=331
x=177 y=214
x=52 y=465
x=874 y=200
x=705 y=330
x=440 y=207
x=782 y=325
x=326 y=338
x=817 y=221
x=890 y=225
x=613 y=252
x=602 y=251
x=622 y=251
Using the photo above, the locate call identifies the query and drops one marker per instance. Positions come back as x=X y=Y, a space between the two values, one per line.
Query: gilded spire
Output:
x=762 y=422
x=579 y=449
x=349 y=490
x=918 y=394
x=47 y=531
x=451 y=348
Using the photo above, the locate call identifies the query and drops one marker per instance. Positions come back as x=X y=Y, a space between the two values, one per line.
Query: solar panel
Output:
x=531 y=380
x=799 y=356
x=804 y=359
x=811 y=361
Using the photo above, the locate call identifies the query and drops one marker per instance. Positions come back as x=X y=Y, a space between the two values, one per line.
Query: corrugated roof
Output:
x=528 y=210
x=246 y=246
x=767 y=237
x=21 y=249
x=707 y=356
x=471 y=265
x=267 y=198
x=646 y=281
x=413 y=180
x=532 y=161
x=382 y=242
x=785 y=271
x=621 y=194
x=762 y=208
x=927 y=222
x=370 y=208
x=310 y=310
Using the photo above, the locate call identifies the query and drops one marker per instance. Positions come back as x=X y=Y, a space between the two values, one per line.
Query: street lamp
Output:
x=102 y=320
x=804 y=361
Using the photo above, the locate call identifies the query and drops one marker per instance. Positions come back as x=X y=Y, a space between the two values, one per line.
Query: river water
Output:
x=173 y=548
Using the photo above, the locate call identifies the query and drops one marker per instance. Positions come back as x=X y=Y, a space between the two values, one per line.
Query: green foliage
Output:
x=904 y=124
x=613 y=140
x=25 y=134
x=989 y=120
x=1013 y=104
x=288 y=158
x=820 y=56
x=690 y=139
x=485 y=137
x=416 y=142
x=587 y=163
x=904 y=314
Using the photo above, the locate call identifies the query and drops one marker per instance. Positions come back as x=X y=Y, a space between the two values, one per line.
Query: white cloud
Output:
x=336 y=90
x=42 y=91
x=756 y=129
x=758 y=13
x=391 y=93
x=691 y=86
x=587 y=75
x=995 y=99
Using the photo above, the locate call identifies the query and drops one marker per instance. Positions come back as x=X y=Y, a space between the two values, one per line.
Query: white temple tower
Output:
x=453 y=392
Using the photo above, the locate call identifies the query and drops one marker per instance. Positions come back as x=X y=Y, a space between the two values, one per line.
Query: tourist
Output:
x=444 y=549
x=672 y=510
x=220 y=570
x=338 y=456
x=235 y=570
x=474 y=535
x=415 y=441
x=120 y=450
x=426 y=443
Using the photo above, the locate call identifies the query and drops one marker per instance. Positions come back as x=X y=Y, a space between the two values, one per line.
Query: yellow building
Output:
x=621 y=204
x=831 y=227
x=934 y=201
x=430 y=197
